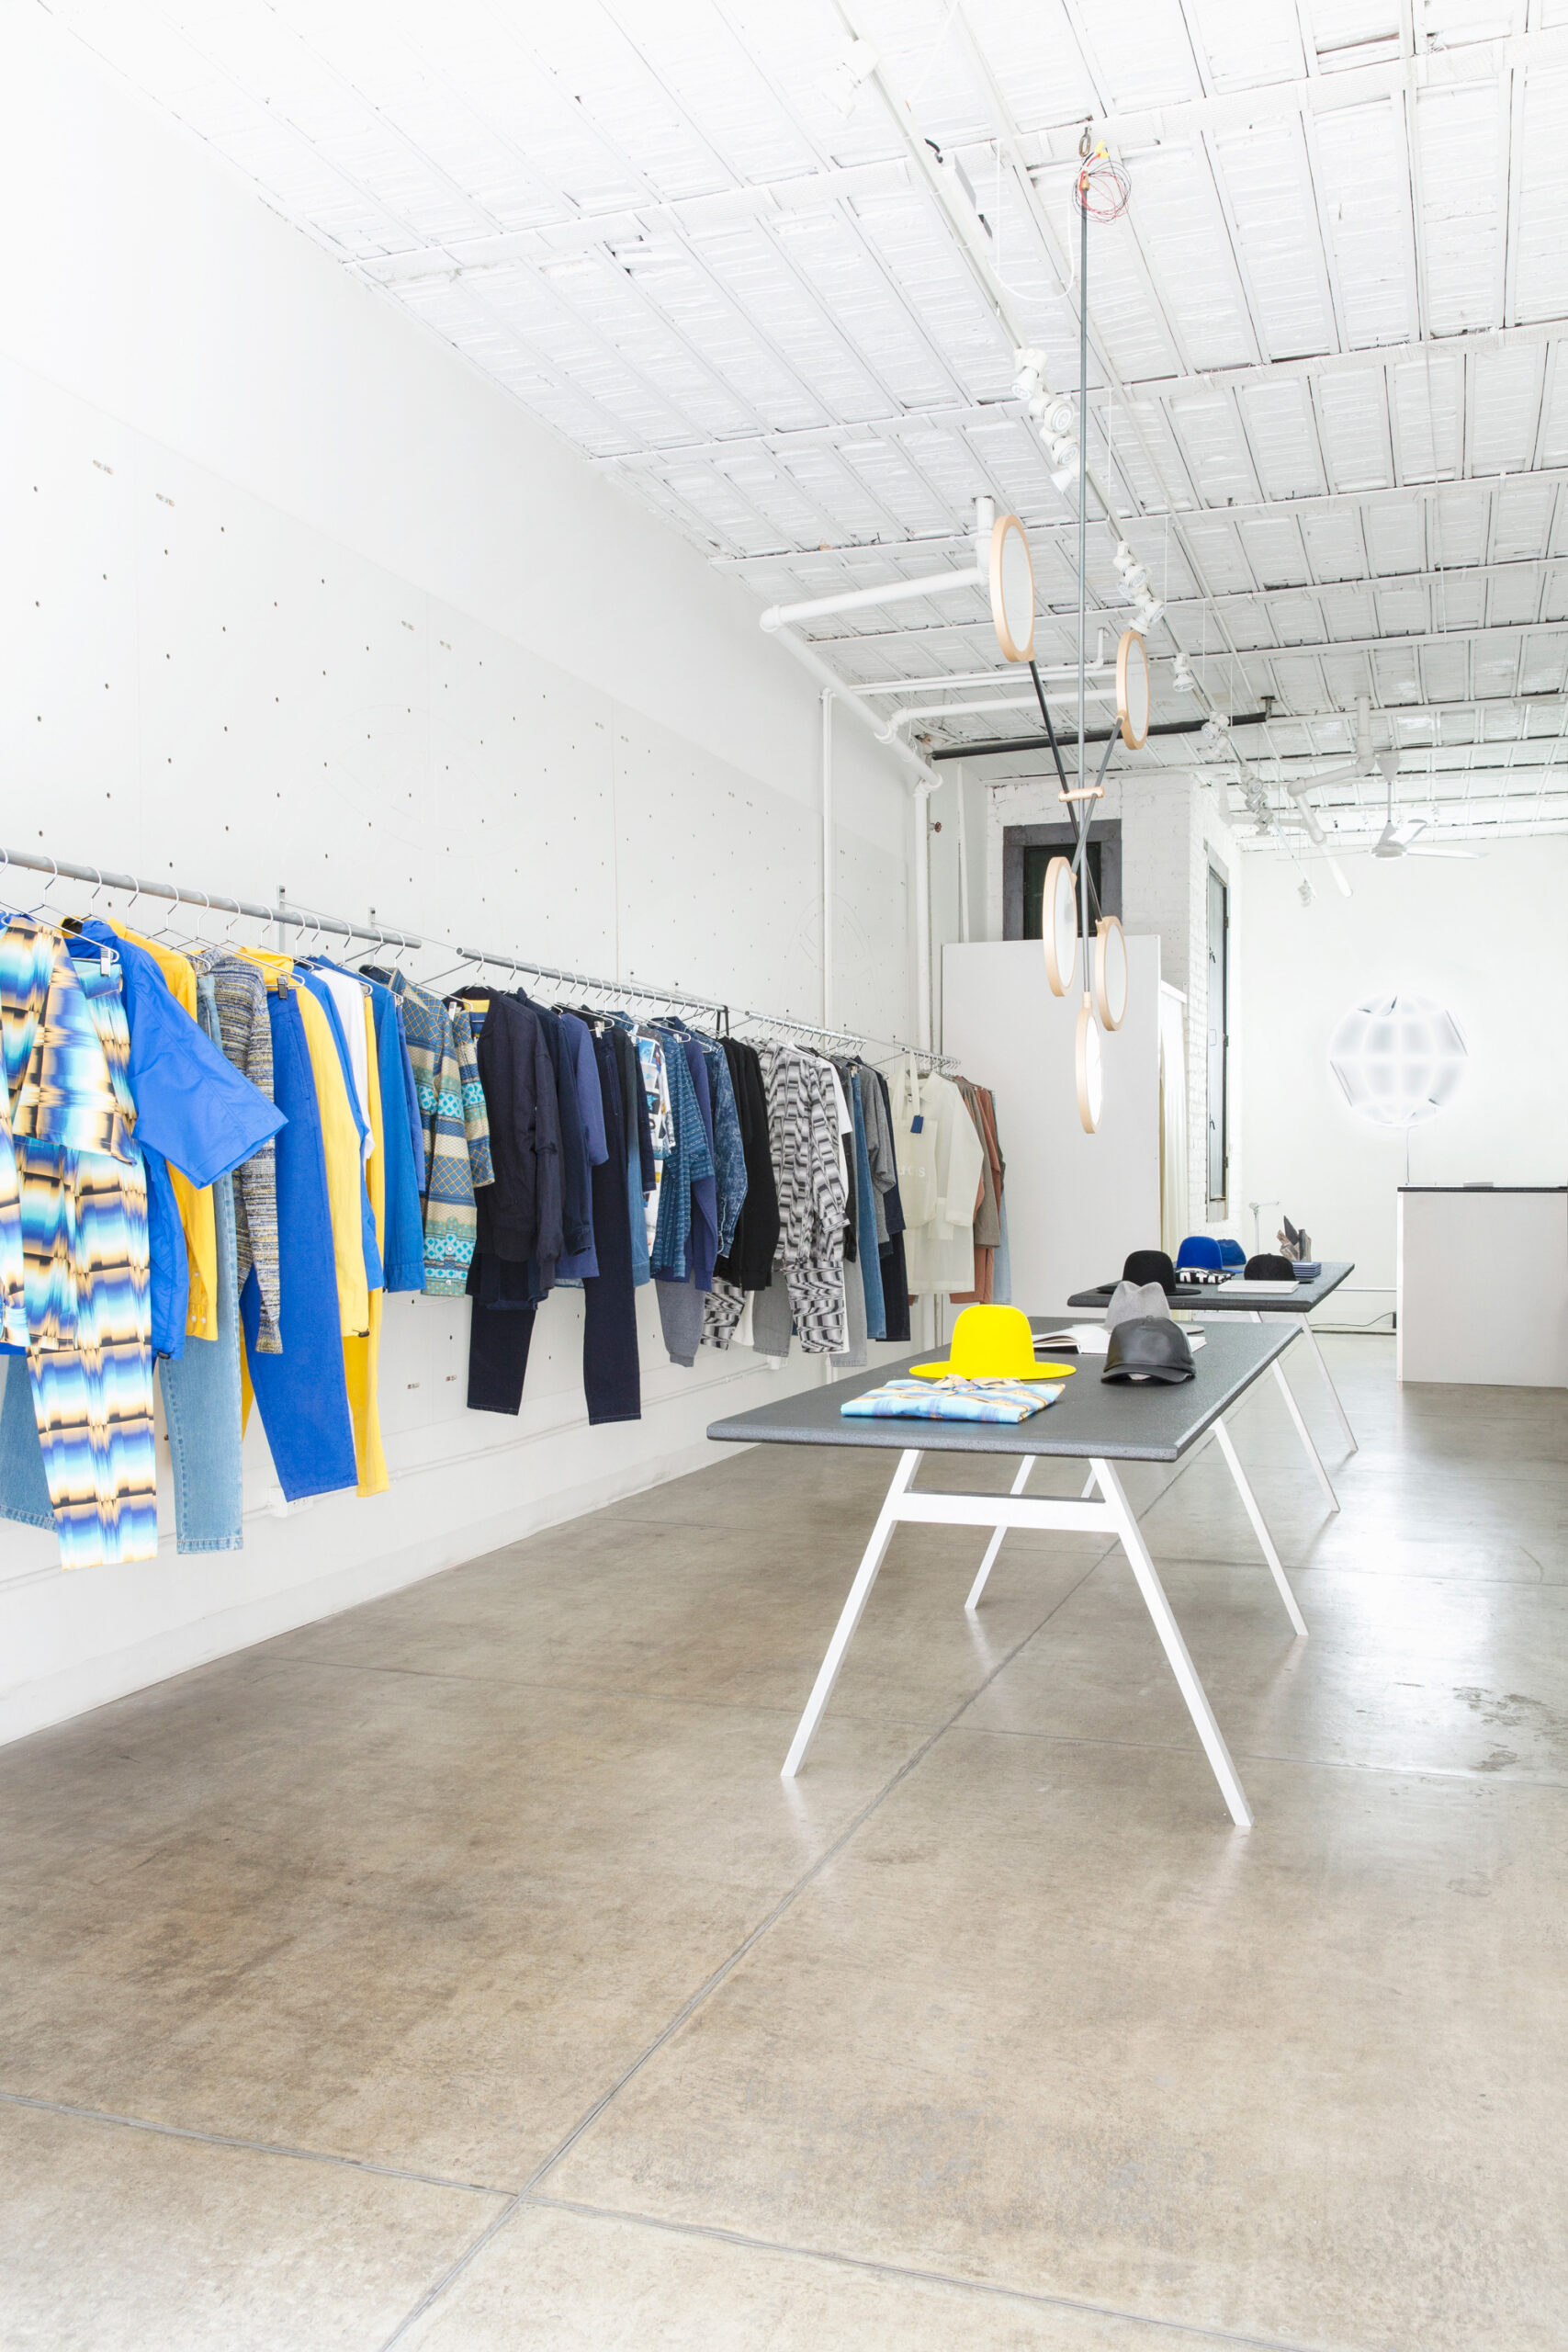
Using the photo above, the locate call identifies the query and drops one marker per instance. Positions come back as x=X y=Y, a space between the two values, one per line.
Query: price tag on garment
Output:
x=918 y=1124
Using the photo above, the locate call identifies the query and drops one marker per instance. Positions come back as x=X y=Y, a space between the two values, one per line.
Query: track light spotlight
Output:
x=1029 y=381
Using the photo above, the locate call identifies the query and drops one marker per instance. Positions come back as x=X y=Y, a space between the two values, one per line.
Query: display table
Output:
x=1207 y=1300
x=1482 y=1284
x=1094 y=1421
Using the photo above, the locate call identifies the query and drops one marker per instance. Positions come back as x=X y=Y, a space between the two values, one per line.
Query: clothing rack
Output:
x=376 y=934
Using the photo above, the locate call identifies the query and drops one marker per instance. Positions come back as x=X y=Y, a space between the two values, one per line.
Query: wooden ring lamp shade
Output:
x=1012 y=589
x=1133 y=690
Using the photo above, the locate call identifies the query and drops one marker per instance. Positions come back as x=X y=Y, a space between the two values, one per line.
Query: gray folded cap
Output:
x=1130 y=1299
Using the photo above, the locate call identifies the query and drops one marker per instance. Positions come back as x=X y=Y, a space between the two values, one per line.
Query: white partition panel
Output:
x=1077 y=1203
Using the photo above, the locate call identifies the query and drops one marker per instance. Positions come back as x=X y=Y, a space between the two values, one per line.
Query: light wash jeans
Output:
x=201 y=1390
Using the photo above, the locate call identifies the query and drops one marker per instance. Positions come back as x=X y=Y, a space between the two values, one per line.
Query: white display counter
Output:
x=1482 y=1276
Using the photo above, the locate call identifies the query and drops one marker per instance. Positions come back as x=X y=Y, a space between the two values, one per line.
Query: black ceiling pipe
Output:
x=996 y=751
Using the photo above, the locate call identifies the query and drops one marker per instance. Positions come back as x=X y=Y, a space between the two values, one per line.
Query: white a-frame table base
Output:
x=1091 y=1422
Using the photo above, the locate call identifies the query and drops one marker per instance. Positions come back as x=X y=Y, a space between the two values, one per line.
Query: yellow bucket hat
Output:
x=992 y=1343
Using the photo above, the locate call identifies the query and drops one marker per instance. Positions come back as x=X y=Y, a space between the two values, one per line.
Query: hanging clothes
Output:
x=193 y=1200
x=868 y=1252
x=946 y=1160
x=245 y=1034
x=988 y=1214
x=402 y=1253
x=579 y=1073
x=682 y=1298
x=301 y=1393
x=452 y=1116
x=688 y=1161
x=804 y=1142
x=747 y=1261
x=82 y=1198
x=611 y=1375
x=894 y=1276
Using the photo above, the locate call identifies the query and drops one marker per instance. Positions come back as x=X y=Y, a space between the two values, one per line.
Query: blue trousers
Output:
x=302 y=1395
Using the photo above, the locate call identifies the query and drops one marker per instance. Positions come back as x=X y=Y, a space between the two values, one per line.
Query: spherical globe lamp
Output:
x=1398 y=1059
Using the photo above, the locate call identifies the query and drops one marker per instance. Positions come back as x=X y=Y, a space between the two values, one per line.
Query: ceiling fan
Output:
x=1397 y=839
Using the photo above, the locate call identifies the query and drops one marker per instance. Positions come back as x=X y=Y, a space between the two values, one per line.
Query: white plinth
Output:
x=1483 y=1286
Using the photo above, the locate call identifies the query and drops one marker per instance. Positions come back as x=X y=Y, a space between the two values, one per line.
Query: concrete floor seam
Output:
x=453 y=2271
x=720 y=1976
x=915 y=2274
x=249 y=2147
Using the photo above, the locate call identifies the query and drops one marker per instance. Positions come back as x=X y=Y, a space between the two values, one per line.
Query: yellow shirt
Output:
x=361 y=1358
x=197 y=1215
x=346 y=1168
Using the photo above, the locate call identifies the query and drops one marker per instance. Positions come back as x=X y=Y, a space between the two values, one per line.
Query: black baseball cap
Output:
x=1151 y=1266
x=1268 y=1269
x=1151 y=1347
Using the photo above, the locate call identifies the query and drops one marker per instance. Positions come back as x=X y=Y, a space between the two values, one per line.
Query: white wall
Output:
x=1077 y=1203
x=1486 y=940
x=292 y=596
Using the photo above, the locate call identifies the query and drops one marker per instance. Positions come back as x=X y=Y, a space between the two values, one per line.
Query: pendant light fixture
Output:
x=1012 y=589
x=1059 y=925
x=1109 y=972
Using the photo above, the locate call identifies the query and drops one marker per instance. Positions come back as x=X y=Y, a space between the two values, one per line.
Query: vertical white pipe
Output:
x=962 y=855
x=827 y=858
x=923 y=914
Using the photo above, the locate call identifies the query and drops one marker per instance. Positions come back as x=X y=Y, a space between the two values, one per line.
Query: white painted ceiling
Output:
x=1325 y=386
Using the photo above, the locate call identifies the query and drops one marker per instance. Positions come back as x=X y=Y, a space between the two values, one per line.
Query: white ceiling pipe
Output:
x=932 y=583
x=888 y=733
x=857 y=600
x=1061 y=673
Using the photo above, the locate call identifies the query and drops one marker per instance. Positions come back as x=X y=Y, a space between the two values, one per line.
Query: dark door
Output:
x=1218 y=1038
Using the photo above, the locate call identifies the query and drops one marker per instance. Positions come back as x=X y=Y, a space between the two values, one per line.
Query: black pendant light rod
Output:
x=1003 y=745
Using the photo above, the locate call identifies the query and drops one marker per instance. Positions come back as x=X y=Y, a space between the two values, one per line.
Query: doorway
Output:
x=1217 y=1020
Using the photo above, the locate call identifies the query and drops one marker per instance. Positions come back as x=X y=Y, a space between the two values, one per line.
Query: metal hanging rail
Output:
x=378 y=935
x=58 y=869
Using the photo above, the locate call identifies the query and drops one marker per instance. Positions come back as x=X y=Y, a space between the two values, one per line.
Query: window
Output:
x=1035 y=861
x=1027 y=851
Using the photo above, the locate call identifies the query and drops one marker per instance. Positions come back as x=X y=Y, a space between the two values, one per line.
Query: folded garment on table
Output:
x=952 y=1400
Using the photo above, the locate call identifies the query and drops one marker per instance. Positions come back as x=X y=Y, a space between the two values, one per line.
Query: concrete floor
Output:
x=459 y=1973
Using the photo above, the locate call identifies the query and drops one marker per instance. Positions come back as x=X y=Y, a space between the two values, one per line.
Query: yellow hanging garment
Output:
x=340 y=1138
x=361 y=1357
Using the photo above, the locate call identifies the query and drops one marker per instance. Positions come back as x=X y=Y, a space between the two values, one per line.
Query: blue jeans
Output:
x=201 y=1390
x=24 y=1488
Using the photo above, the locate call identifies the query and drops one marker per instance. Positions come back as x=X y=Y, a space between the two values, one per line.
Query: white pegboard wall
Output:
x=213 y=692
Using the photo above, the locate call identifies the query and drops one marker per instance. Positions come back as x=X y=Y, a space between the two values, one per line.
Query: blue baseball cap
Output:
x=1200 y=1250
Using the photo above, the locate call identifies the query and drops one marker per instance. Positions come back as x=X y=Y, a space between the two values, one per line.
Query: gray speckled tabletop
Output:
x=1114 y=1419
x=1231 y=1298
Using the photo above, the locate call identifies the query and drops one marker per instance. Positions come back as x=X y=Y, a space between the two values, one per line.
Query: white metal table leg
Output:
x=1175 y=1648
x=1259 y=1527
x=1311 y=1338
x=995 y=1546
x=860 y=1593
x=1312 y=1455
x=1306 y=1435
